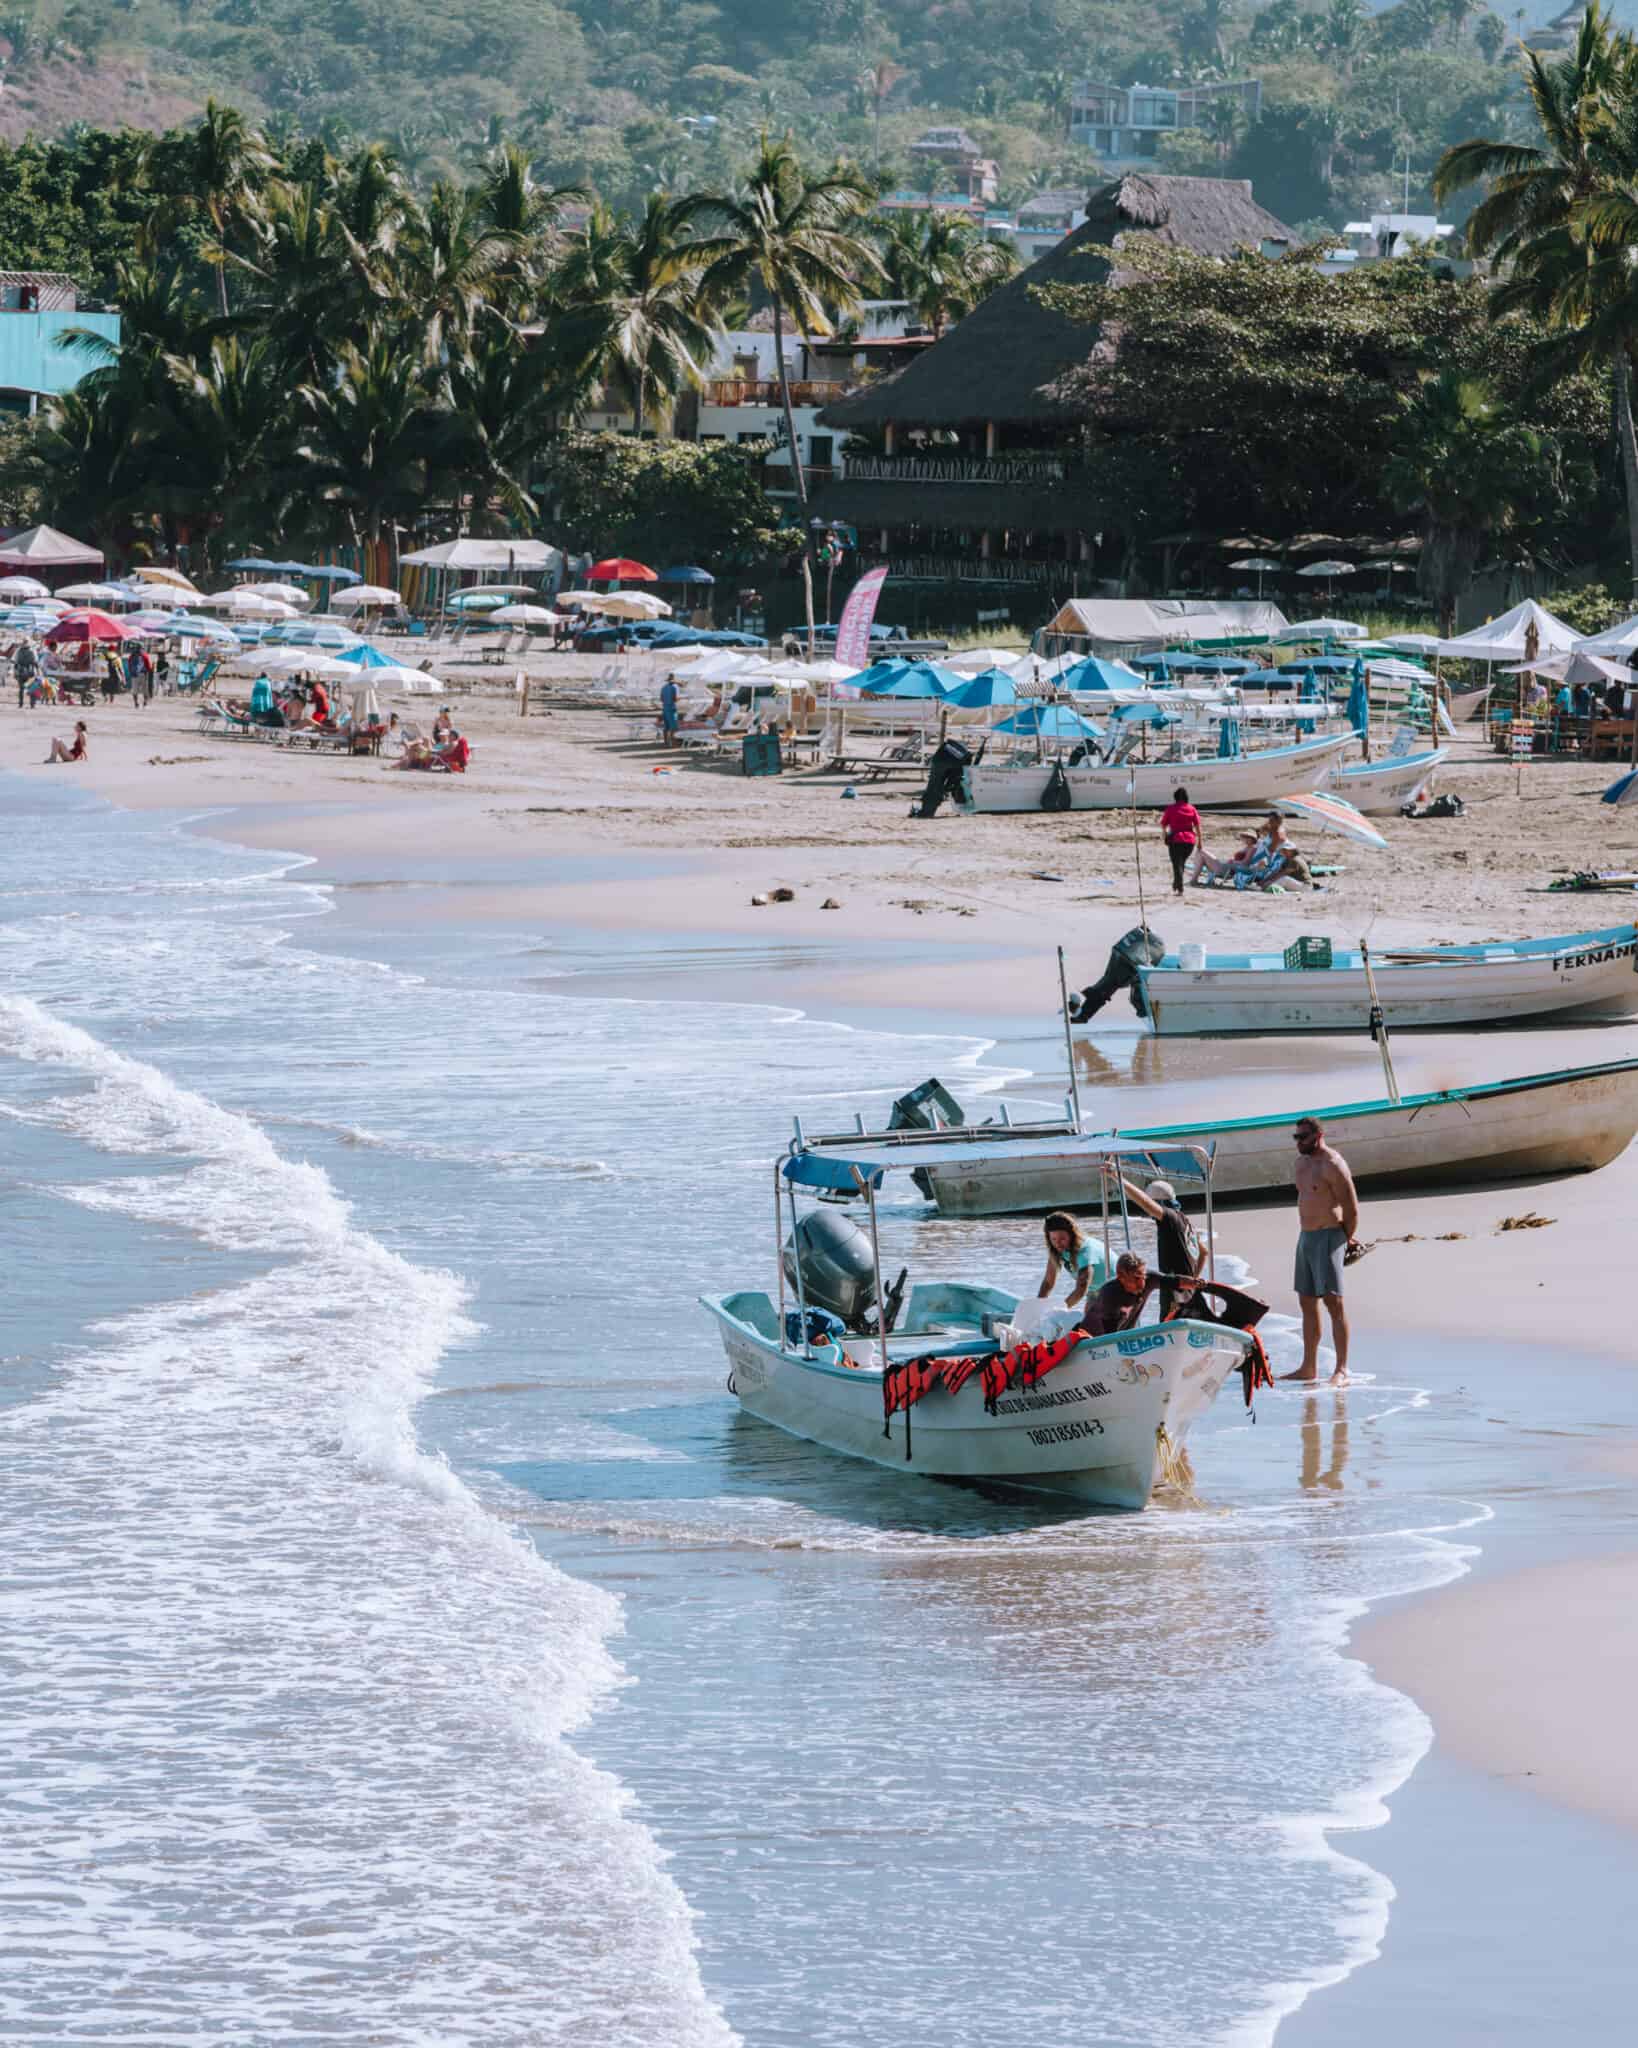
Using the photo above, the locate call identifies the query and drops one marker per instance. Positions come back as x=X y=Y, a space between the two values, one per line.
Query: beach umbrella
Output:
x=1211 y=664
x=1335 y=814
x=1623 y=790
x=1359 y=700
x=978 y=658
x=476 y=601
x=321 y=572
x=525 y=615
x=1309 y=688
x=249 y=604
x=284 y=593
x=620 y=569
x=365 y=706
x=980 y=693
x=1228 y=739
x=1322 y=629
x=28 y=618
x=22 y=586
x=359 y=597
x=250 y=562
x=1051 y=722
x=1413 y=643
x=296 y=661
x=688 y=573
x=75 y=628
x=1093 y=674
x=635 y=604
x=156 y=572
x=908 y=680
x=1144 y=714
x=310 y=633
x=1327 y=569
x=180 y=627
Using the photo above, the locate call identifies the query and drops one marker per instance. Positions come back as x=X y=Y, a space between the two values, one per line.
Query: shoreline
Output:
x=977 y=978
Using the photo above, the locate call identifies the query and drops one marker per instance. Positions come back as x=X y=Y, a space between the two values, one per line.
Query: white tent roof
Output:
x=44 y=546
x=1162 y=621
x=1619 y=641
x=1503 y=639
x=467 y=553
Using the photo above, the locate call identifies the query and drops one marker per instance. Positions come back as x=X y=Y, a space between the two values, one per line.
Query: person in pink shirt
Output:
x=1180 y=822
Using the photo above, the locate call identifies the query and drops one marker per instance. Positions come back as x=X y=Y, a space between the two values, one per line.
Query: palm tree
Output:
x=1469 y=469
x=943 y=265
x=226 y=165
x=1559 y=217
x=368 y=433
x=877 y=83
x=215 y=431
x=793 y=238
x=499 y=413
x=633 y=302
x=451 y=265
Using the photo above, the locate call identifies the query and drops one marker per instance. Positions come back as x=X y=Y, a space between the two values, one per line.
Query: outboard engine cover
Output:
x=838 y=1272
x=1137 y=948
x=945 y=775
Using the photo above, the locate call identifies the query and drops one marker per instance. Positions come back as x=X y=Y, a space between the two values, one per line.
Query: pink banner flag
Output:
x=853 y=634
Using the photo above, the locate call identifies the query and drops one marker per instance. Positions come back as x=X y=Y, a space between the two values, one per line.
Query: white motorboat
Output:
x=1019 y=783
x=945 y=1392
x=1380 y=788
x=1571 y=979
x=1573 y=1120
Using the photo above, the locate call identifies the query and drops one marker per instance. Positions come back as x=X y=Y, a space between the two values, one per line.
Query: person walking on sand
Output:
x=1327 y=1218
x=1180 y=822
x=25 y=666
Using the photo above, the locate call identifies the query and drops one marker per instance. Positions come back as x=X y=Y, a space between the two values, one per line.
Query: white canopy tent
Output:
x=1619 y=641
x=43 y=547
x=1508 y=638
x=1146 y=623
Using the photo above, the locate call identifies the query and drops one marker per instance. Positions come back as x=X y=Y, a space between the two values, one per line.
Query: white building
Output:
x=1386 y=235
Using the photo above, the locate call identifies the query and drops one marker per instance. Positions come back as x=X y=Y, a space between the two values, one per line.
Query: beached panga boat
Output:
x=1104 y=1422
x=1571 y=1120
x=1380 y=788
x=1020 y=783
x=1570 y=979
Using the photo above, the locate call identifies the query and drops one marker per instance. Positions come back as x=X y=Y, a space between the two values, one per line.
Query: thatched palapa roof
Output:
x=999 y=362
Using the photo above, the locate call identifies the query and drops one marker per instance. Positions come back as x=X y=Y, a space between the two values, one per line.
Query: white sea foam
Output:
x=286 y=1707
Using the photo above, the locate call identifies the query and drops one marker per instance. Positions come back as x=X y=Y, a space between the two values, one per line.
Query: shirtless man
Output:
x=1327 y=1217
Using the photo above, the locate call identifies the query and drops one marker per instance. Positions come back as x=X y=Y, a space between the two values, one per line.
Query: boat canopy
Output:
x=870 y=1156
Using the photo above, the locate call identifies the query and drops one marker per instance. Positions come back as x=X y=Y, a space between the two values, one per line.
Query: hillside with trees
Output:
x=629 y=96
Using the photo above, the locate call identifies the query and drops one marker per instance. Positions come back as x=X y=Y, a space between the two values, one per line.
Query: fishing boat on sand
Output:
x=1019 y=783
x=944 y=1383
x=1381 y=788
x=1571 y=979
x=1573 y=1120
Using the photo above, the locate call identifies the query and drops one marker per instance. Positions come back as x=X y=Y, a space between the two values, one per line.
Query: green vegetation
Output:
x=627 y=97
x=314 y=350
x=1266 y=397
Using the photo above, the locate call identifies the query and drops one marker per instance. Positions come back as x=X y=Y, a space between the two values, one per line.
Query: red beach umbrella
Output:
x=75 y=627
x=621 y=569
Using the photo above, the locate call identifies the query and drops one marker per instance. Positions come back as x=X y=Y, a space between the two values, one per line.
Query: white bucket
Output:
x=1191 y=958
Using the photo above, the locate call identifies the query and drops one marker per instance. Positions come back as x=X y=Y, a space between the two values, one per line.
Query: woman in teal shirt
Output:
x=1067 y=1252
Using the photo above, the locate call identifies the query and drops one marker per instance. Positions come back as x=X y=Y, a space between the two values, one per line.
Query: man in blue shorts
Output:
x=1327 y=1218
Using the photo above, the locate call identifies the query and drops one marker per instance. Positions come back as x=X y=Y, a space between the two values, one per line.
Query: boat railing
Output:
x=910 y=1136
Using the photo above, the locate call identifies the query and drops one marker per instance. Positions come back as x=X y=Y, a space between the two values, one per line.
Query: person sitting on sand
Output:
x=1210 y=868
x=1067 y=1252
x=79 y=751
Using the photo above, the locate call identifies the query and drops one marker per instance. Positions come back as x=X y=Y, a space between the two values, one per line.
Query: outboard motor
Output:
x=837 y=1270
x=1138 y=948
x=911 y=1113
x=949 y=765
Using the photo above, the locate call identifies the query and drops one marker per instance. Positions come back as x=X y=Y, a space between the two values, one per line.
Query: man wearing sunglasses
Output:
x=1327 y=1218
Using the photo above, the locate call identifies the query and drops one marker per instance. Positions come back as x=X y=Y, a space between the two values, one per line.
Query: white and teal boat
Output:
x=1569 y=979
x=828 y=1352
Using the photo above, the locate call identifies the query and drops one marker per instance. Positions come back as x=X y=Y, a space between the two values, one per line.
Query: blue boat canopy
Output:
x=857 y=1163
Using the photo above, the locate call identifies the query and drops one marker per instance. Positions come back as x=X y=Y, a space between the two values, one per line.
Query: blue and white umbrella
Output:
x=1623 y=790
x=1050 y=722
x=994 y=686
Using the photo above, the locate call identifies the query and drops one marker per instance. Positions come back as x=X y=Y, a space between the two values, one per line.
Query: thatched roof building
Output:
x=997 y=366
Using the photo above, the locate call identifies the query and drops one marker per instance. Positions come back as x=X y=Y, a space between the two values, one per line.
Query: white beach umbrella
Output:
x=635 y=604
x=525 y=615
x=22 y=586
x=283 y=593
x=365 y=705
x=97 y=593
x=977 y=658
x=363 y=597
x=249 y=604
x=586 y=600
x=156 y=572
x=1413 y=643
x=396 y=677
x=1322 y=629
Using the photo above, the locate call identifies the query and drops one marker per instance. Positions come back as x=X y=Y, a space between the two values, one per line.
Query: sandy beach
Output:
x=641 y=866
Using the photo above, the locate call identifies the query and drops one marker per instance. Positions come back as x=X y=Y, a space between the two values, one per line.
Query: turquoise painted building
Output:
x=39 y=311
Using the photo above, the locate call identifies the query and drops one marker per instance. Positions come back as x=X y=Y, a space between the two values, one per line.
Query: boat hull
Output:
x=1244 y=779
x=1591 y=979
x=1091 y=1430
x=1571 y=1122
x=1380 y=788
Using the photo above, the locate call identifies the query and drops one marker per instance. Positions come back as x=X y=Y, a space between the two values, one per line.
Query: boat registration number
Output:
x=1065 y=1432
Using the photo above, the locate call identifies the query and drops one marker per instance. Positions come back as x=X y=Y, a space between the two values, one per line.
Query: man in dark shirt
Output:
x=1119 y=1302
x=1177 y=1242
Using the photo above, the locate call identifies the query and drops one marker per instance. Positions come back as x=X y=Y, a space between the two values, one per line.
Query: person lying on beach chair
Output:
x=79 y=751
x=449 y=759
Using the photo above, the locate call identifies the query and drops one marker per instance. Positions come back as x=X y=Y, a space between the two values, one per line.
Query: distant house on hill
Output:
x=39 y=310
x=979 y=475
x=1123 y=124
